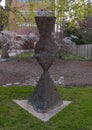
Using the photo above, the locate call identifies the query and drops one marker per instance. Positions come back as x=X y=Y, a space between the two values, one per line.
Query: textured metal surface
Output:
x=45 y=95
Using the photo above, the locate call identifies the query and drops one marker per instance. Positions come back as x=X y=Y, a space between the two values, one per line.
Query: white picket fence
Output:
x=82 y=50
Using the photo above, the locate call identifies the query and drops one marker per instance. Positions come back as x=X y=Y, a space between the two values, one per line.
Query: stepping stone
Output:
x=8 y=84
x=17 y=83
x=3 y=60
x=4 y=85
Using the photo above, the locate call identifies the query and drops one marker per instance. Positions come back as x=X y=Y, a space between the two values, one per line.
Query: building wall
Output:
x=21 y=25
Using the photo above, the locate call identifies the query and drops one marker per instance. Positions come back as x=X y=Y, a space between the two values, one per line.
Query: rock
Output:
x=6 y=38
x=5 y=48
x=58 y=80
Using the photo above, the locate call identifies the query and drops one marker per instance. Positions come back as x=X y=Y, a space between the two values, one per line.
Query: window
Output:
x=26 y=25
x=25 y=12
x=29 y=0
x=22 y=0
x=36 y=0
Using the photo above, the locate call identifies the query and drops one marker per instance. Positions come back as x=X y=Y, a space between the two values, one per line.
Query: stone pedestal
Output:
x=45 y=96
x=42 y=116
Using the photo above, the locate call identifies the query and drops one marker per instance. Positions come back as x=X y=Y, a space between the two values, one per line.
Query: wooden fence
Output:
x=82 y=50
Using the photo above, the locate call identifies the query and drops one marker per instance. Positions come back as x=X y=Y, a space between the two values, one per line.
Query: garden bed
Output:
x=24 y=72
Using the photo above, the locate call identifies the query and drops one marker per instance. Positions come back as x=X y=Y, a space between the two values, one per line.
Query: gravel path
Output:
x=72 y=73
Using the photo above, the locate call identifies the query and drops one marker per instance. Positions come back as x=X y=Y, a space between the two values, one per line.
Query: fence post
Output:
x=91 y=52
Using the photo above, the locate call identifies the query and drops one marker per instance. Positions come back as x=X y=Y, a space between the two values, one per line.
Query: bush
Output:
x=84 y=35
x=28 y=44
x=29 y=41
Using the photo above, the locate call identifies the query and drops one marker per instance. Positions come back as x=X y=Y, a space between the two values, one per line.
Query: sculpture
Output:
x=45 y=96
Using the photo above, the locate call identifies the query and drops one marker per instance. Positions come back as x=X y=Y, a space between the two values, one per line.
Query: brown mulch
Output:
x=76 y=73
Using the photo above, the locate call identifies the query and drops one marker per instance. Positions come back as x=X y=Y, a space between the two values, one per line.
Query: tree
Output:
x=5 y=12
x=3 y=16
x=80 y=25
x=72 y=11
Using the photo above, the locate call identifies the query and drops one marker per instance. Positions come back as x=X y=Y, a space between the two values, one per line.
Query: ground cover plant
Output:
x=77 y=116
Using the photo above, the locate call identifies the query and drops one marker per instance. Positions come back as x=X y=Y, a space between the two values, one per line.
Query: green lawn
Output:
x=24 y=55
x=66 y=56
x=77 y=116
x=0 y=51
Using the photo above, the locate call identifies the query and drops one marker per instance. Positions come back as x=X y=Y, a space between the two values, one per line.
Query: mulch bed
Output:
x=76 y=73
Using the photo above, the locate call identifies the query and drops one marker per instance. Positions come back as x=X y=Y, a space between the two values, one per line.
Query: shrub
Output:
x=29 y=41
x=84 y=32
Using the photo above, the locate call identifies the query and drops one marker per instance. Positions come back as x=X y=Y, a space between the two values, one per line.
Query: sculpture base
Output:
x=42 y=116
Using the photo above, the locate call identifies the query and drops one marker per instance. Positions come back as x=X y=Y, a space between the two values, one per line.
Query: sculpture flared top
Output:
x=46 y=48
x=45 y=25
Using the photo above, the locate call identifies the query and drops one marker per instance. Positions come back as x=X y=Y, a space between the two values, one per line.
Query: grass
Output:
x=24 y=55
x=0 y=51
x=77 y=116
x=67 y=56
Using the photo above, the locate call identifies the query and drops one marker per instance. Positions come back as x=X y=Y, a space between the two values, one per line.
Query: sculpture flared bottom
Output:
x=45 y=96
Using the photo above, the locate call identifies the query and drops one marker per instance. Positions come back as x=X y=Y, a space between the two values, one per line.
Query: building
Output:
x=21 y=23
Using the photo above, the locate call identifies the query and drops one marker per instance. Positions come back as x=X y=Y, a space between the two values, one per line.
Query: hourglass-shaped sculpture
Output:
x=45 y=96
